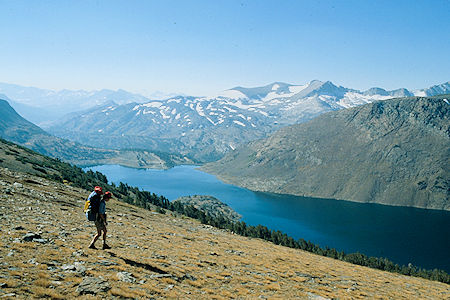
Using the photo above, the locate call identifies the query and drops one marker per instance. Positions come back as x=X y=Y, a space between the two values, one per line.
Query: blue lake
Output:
x=404 y=235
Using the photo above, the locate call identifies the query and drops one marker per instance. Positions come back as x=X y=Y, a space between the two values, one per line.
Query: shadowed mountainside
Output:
x=392 y=152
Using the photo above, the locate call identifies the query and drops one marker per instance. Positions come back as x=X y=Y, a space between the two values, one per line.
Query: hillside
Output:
x=392 y=152
x=44 y=238
x=15 y=128
x=205 y=128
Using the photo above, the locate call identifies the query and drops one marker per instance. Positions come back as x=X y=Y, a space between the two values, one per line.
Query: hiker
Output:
x=98 y=206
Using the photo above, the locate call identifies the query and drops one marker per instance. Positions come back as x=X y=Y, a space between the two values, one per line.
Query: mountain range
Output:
x=368 y=147
x=42 y=106
x=205 y=128
x=392 y=152
x=15 y=128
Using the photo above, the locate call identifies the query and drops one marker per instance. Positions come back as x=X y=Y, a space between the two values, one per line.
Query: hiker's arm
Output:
x=103 y=216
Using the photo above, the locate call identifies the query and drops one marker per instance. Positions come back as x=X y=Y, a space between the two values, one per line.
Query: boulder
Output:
x=29 y=237
x=93 y=286
x=126 y=277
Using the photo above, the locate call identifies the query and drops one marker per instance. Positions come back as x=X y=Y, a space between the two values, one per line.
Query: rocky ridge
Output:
x=43 y=250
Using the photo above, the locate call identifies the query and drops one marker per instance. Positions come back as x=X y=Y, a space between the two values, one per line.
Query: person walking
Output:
x=100 y=222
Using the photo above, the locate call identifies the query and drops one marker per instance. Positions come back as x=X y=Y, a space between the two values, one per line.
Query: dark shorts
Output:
x=100 y=225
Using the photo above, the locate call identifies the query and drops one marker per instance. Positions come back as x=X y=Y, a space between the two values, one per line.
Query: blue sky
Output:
x=200 y=47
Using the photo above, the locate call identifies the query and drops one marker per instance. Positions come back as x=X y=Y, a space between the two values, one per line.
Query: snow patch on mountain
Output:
x=239 y=123
x=199 y=110
x=352 y=99
x=215 y=122
x=228 y=94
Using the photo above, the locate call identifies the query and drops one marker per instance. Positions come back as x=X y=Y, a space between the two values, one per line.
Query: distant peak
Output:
x=316 y=81
x=4 y=97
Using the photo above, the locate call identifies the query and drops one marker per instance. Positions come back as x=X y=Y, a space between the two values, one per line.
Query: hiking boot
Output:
x=92 y=247
x=106 y=247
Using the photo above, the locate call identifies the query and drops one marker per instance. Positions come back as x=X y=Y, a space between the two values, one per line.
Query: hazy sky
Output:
x=200 y=47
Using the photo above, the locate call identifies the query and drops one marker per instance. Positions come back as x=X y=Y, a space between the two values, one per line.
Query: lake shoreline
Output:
x=401 y=234
x=234 y=182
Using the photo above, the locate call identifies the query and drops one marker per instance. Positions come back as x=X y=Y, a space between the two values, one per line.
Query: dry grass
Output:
x=169 y=257
x=42 y=292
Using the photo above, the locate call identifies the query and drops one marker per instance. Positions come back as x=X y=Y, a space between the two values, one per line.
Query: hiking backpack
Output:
x=91 y=206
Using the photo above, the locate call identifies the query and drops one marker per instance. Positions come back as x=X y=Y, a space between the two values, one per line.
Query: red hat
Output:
x=98 y=190
x=108 y=195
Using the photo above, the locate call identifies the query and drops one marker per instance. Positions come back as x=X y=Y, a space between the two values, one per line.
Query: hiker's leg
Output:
x=104 y=235
x=99 y=233
x=105 y=246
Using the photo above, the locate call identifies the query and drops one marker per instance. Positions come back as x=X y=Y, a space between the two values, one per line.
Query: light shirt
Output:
x=102 y=207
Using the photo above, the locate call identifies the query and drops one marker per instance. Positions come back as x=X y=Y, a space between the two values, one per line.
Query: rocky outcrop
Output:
x=392 y=152
x=93 y=286
x=211 y=206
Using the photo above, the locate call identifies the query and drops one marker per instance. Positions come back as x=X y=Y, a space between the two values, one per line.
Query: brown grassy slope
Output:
x=167 y=256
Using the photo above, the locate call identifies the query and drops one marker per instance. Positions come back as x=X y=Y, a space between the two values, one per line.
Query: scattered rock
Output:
x=300 y=274
x=93 y=286
x=106 y=263
x=56 y=282
x=69 y=267
x=155 y=276
x=9 y=295
x=17 y=185
x=80 y=268
x=126 y=277
x=30 y=237
x=312 y=296
x=75 y=267
x=231 y=251
x=42 y=241
x=79 y=253
x=189 y=277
